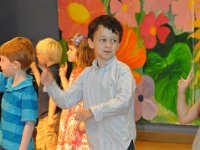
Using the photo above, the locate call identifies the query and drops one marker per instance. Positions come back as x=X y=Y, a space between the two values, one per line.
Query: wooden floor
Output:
x=146 y=145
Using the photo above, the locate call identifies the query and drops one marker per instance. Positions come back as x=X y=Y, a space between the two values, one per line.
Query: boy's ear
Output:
x=91 y=44
x=17 y=65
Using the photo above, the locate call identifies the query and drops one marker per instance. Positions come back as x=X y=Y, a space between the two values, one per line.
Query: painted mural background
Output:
x=160 y=44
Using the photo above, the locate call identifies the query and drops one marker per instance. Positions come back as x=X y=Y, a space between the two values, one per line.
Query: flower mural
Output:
x=76 y=15
x=155 y=45
x=125 y=10
x=196 y=53
x=152 y=27
x=196 y=36
x=157 y=5
x=166 y=71
x=184 y=12
x=196 y=5
x=130 y=53
x=145 y=106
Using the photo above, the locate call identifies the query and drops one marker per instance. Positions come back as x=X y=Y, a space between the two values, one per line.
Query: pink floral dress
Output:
x=69 y=137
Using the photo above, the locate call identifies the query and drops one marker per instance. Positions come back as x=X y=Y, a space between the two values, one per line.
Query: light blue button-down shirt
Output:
x=108 y=91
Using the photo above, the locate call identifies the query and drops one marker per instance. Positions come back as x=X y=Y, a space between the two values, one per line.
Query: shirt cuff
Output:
x=95 y=113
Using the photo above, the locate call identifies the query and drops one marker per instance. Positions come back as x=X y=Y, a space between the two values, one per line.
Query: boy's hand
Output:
x=183 y=83
x=33 y=65
x=51 y=121
x=83 y=115
x=81 y=127
x=63 y=70
x=46 y=76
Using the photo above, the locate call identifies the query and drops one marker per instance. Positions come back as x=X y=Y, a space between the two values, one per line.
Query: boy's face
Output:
x=105 y=43
x=7 y=67
x=42 y=59
x=71 y=53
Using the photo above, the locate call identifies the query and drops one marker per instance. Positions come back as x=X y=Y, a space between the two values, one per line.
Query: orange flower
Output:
x=196 y=34
x=75 y=15
x=130 y=53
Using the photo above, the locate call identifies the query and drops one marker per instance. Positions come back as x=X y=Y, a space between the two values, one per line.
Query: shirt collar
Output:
x=25 y=83
x=110 y=61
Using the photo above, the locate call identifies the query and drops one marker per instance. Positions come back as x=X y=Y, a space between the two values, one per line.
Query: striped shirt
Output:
x=108 y=92
x=19 y=104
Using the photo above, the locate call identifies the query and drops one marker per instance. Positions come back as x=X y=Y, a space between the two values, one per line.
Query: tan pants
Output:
x=46 y=137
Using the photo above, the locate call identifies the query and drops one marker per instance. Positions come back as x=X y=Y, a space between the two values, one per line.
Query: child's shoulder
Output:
x=27 y=86
x=122 y=66
x=86 y=70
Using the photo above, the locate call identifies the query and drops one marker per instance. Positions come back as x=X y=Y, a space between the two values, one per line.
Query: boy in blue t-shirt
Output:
x=19 y=102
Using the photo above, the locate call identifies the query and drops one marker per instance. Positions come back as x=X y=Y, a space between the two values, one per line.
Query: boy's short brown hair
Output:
x=108 y=22
x=19 y=49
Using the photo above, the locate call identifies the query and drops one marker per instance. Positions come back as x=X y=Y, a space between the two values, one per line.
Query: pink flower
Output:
x=144 y=104
x=185 y=12
x=151 y=28
x=75 y=15
x=124 y=10
x=197 y=8
x=157 y=5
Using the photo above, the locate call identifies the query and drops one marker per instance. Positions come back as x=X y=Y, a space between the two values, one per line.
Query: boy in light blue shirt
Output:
x=106 y=88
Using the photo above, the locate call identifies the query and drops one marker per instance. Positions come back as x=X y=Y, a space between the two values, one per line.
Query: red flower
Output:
x=152 y=27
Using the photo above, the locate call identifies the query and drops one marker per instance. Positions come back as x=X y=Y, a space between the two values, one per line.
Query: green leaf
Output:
x=107 y=6
x=64 y=46
x=139 y=16
x=105 y=2
x=167 y=71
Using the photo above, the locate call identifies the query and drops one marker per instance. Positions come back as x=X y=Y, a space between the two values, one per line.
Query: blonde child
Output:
x=19 y=102
x=49 y=52
x=71 y=132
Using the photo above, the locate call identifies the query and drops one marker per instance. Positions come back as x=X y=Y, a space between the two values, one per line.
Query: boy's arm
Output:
x=120 y=103
x=35 y=72
x=68 y=98
x=29 y=109
x=63 y=99
x=27 y=134
x=51 y=112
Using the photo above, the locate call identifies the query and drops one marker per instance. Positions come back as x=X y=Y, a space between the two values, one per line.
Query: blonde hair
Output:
x=50 y=48
x=19 y=49
x=84 y=54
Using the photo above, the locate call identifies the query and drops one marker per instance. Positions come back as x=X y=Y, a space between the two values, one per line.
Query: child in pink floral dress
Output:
x=71 y=132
